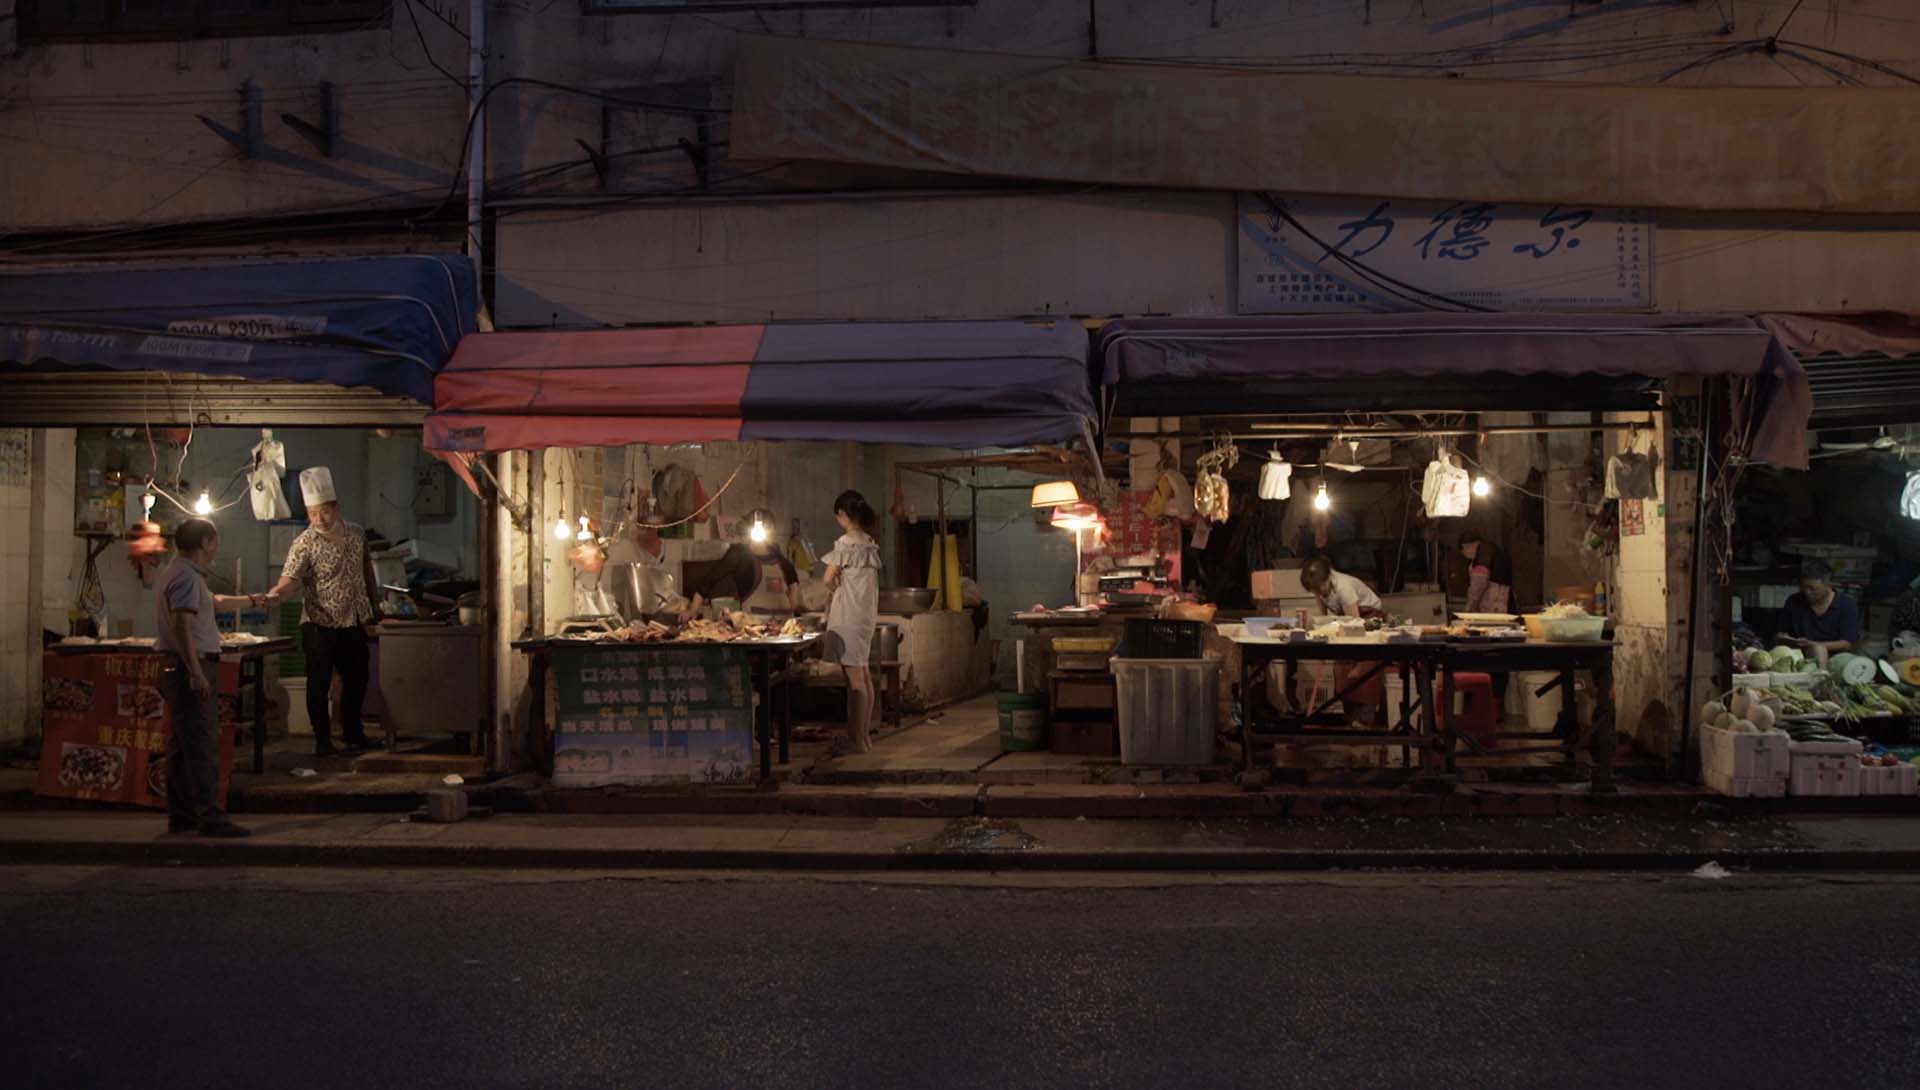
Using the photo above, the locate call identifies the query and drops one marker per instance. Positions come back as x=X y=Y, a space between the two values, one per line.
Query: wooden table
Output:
x=252 y=658
x=1428 y=667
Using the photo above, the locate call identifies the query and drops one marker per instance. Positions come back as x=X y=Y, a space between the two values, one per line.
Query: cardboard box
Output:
x=1278 y=583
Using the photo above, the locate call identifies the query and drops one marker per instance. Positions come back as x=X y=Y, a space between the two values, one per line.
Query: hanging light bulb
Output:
x=561 y=531
x=203 y=505
x=586 y=531
x=1322 y=501
x=146 y=503
x=1481 y=486
x=758 y=534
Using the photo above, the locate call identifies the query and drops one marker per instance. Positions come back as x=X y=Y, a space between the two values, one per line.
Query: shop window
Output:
x=133 y=20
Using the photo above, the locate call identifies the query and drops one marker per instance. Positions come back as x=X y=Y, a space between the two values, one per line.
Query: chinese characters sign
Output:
x=640 y=714
x=106 y=727
x=1370 y=254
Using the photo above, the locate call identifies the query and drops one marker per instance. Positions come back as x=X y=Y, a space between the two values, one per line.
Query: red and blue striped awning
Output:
x=944 y=384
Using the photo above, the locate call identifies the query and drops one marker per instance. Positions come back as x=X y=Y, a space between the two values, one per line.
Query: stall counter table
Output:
x=1426 y=664
x=1412 y=728
x=766 y=659
x=252 y=658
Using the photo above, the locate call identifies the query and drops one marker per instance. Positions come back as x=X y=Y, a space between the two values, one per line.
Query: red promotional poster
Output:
x=107 y=728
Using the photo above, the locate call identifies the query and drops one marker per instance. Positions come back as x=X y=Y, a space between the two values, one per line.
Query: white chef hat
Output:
x=316 y=486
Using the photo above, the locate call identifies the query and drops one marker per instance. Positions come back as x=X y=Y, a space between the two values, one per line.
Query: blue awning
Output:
x=388 y=322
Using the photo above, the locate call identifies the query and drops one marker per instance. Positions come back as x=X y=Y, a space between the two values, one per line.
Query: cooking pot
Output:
x=906 y=601
x=886 y=643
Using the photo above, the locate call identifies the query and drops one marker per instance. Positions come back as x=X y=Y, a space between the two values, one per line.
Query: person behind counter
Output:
x=1489 y=575
x=757 y=574
x=190 y=640
x=331 y=565
x=1343 y=595
x=1819 y=620
x=853 y=574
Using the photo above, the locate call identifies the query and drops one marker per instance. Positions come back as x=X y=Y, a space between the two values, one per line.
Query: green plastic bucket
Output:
x=1023 y=722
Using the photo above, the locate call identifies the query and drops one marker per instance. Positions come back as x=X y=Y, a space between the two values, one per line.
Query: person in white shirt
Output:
x=1339 y=593
x=1342 y=595
x=853 y=574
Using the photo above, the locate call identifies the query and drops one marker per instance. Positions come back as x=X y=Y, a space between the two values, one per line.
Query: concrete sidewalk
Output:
x=1617 y=842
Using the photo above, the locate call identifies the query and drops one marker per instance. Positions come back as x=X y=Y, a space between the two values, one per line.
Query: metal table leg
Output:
x=786 y=711
x=762 y=723
x=259 y=710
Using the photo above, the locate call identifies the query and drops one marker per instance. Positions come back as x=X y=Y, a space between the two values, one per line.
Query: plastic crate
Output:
x=1151 y=638
x=1167 y=710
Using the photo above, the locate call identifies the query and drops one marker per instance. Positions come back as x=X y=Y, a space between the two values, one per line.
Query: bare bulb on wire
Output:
x=561 y=531
x=1481 y=486
x=1322 y=501
x=586 y=532
x=201 y=506
x=146 y=504
x=758 y=534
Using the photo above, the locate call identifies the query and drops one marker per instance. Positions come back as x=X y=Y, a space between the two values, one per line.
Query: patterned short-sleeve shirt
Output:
x=333 y=570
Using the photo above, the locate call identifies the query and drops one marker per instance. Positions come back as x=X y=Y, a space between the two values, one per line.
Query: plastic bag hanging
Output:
x=269 y=466
x=1447 y=489
x=1276 y=478
x=1910 y=496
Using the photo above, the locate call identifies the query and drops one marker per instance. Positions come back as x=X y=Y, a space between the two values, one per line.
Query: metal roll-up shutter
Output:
x=1864 y=391
x=82 y=399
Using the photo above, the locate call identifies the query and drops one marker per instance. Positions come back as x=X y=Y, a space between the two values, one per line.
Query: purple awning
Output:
x=1371 y=346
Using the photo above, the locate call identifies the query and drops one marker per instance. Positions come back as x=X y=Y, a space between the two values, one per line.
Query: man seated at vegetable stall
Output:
x=1819 y=620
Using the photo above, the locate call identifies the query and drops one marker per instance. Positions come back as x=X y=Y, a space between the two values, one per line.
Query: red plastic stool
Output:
x=1480 y=719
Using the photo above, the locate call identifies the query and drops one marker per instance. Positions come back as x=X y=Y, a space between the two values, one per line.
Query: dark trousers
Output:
x=193 y=753
x=331 y=650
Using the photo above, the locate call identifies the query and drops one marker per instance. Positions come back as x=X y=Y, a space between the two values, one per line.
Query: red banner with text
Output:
x=106 y=728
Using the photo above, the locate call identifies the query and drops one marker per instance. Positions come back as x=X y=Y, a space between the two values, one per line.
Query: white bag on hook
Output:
x=1447 y=489
x=1276 y=478
x=269 y=466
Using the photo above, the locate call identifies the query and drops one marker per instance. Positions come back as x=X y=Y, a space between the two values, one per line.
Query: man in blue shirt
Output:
x=1819 y=619
x=190 y=640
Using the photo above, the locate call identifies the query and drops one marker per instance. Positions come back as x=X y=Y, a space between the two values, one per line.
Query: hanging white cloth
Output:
x=1910 y=496
x=1276 y=478
x=1447 y=489
x=269 y=466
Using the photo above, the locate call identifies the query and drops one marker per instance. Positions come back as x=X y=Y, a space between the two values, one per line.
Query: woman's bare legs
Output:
x=859 y=708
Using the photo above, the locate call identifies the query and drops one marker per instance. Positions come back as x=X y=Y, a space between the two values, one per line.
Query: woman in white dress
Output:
x=853 y=574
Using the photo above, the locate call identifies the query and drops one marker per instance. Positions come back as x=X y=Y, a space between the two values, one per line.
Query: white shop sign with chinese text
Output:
x=1499 y=256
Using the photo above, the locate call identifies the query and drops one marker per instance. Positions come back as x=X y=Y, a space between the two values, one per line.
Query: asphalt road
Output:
x=280 y=979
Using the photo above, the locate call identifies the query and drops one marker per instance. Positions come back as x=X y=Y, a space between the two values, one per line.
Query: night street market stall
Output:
x=1515 y=422
x=155 y=391
x=1822 y=610
x=798 y=409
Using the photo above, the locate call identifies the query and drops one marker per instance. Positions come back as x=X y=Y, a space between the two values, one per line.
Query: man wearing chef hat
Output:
x=331 y=565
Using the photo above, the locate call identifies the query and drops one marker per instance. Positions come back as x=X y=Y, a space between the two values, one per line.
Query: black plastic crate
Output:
x=1151 y=638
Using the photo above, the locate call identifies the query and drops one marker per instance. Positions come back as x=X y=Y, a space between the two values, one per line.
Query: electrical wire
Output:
x=421 y=36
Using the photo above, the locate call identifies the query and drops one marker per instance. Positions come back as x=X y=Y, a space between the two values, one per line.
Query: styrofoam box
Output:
x=1759 y=787
x=1824 y=776
x=1167 y=710
x=1901 y=779
x=1745 y=756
